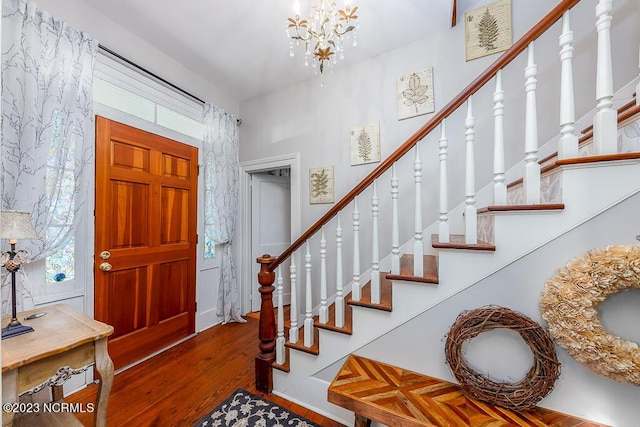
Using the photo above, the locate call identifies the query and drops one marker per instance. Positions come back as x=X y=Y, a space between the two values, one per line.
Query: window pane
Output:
x=61 y=265
x=123 y=100
x=209 y=248
x=60 y=187
x=179 y=122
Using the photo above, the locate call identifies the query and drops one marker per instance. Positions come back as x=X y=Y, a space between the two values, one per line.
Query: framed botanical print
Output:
x=365 y=144
x=487 y=29
x=321 y=185
x=415 y=94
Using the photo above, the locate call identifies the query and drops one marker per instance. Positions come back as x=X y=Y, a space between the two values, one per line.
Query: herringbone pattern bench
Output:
x=397 y=397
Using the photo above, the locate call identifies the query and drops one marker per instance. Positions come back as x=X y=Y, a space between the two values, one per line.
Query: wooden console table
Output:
x=64 y=342
x=400 y=398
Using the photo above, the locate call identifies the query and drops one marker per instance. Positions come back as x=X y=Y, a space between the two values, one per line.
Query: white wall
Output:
x=83 y=17
x=315 y=120
x=506 y=357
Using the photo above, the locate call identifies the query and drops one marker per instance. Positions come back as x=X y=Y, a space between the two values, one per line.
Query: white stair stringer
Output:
x=588 y=189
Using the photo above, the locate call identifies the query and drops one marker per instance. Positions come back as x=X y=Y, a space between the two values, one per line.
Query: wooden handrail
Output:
x=518 y=47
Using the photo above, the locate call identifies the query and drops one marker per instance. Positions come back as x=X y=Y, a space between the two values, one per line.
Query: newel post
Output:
x=267 y=327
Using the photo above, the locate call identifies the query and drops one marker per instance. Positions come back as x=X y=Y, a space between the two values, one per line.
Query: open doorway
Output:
x=270 y=218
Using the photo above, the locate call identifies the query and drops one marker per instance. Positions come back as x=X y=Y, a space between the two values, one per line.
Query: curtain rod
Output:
x=155 y=76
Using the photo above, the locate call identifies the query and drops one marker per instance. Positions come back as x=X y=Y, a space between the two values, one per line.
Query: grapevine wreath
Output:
x=522 y=395
x=569 y=304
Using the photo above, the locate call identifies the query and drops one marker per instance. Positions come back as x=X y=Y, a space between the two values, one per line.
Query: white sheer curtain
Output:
x=47 y=125
x=222 y=170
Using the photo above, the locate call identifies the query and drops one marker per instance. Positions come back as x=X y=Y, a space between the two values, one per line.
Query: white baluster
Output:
x=568 y=144
x=339 y=303
x=375 y=254
x=638 y=85
x=605 y=122
x=293 y=315
x=323 y=314
x=395 y=223
x=531 y=166
x=355 y=287
x=443 y=226
x=308 y=315
x=418 y=245
x=499 y=187
x=280 y=339
x=470 y=211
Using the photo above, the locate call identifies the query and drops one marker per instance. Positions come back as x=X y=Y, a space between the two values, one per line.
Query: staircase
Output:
x=586 y=176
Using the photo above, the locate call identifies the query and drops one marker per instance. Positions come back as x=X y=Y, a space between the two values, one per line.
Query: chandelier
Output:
x=323 y=32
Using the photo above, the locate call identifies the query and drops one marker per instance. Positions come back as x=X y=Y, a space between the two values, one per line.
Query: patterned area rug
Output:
x=244 y=409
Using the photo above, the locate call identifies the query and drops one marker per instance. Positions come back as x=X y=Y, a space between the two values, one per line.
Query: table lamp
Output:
x=14 y=226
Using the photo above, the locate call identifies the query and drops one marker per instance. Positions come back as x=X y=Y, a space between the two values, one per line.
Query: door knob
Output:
x=105 y=254
x=105 y=266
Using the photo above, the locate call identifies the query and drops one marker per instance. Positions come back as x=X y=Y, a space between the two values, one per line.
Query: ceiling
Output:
x=241 y=46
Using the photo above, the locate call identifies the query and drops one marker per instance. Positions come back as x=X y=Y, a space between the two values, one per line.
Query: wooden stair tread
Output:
x=385 y=295
x=331 y=324
x=629 y=113
x=621 y=111
x=600 y=158
x=396 y=396
x=456 y=241
x=429 y=266
x=521 y=208
x=314 y=349
x=286 y=366
x=625 y=112
x=549 y=157
x=543 y=170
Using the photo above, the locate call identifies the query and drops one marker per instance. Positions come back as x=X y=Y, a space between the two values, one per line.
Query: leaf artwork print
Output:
x=364 y=141
x=364 y=145
x=488 y=31
x=320 y=183
x=416 y=94
x=321 y=187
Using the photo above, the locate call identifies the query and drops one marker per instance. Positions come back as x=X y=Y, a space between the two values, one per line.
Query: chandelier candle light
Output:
x=323 y=32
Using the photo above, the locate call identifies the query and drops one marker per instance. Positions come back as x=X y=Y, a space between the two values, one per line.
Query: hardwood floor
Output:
x=181 y=385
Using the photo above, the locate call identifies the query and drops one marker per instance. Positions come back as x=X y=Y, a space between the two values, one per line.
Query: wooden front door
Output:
x=145 y=239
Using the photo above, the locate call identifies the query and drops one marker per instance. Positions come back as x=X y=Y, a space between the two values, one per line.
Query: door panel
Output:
x=129 y=215
x=172 y=284
x=128 y=288
x=174 y=225
x=130 y=157
x=146 y=201
x=176 y=167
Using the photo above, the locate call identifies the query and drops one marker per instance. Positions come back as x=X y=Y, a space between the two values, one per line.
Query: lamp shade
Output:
x=16 y=225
